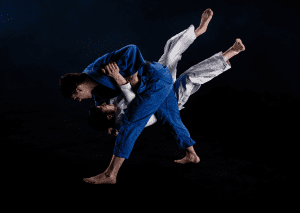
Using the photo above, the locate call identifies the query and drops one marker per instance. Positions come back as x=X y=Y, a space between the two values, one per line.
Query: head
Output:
x=77 y=86
x=102 y=117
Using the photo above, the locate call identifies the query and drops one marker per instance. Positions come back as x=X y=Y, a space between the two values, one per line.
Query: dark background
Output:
x=244 y=122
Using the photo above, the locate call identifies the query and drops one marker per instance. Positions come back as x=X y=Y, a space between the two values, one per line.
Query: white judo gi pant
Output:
x=191 y=80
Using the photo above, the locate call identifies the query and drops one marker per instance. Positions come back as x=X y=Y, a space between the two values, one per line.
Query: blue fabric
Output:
x=156 y=94
x=129 y=60
x=168 y=115
x=99 y=100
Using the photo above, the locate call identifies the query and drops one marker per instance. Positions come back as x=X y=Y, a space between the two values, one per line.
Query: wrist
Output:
x=120 y=80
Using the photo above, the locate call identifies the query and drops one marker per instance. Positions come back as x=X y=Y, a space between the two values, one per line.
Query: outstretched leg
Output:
x=176 y=45
x=191 y=80
x=168 y=115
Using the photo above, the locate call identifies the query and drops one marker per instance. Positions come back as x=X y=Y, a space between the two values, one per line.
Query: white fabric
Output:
x=188 y=82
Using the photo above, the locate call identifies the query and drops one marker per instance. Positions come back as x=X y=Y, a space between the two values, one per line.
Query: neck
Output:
x=91 y=84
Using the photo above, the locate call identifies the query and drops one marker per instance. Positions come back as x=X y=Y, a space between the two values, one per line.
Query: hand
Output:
x=134 y=79
x=111 y=70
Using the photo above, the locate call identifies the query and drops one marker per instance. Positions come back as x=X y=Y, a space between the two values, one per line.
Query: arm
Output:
x=129 y=60
x=135 y=81
x=112 y=70
x=127 y=90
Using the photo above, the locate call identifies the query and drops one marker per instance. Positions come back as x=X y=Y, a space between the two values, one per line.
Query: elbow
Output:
x=132 y=47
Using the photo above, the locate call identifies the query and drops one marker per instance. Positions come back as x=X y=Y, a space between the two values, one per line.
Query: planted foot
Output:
x=102 y=178
x=188 y=159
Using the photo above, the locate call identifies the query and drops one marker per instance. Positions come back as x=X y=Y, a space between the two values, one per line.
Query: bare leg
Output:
x=109 y=176
x=206 y=17
x=191 y=156
x=237 y=47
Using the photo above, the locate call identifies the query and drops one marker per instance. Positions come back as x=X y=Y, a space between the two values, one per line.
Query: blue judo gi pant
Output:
x=157 y=96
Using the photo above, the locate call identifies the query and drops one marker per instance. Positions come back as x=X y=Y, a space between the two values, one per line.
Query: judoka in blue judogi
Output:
x=155 y=94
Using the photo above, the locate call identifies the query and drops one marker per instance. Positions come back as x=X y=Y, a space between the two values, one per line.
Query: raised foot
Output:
x=101 y=179
x=238 y=46
x=206 y=17
x=186 y=159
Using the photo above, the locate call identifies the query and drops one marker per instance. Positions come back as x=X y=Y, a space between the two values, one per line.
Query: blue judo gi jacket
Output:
x=154 y=95
x=129 y=60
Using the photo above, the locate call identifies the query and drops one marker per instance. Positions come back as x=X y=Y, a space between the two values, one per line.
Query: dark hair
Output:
x=69 y=82
x=99 y=121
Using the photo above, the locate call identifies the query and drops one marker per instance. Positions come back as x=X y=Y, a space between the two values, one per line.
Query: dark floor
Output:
x=47 y=144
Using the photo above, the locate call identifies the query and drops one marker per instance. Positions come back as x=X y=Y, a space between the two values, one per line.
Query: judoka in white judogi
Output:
x=187 y=84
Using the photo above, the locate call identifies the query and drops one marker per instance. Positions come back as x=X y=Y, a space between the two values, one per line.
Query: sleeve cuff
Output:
x=125 y=86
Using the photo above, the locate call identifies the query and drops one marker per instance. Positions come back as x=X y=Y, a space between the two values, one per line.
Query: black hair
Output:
x=99 y=121
x=69 y=82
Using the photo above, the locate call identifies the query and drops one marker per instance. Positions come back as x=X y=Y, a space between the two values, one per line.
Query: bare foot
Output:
x=101 y=179
x=238 y=46
x=188 y=159
x=206 y=17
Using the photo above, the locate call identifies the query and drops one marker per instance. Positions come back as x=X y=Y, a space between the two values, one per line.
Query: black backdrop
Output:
x=244 y=121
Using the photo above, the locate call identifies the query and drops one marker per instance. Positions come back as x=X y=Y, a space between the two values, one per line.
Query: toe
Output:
x=86 y=180
x=177 y=161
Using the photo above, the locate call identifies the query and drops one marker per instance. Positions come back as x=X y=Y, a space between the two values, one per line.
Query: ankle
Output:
x=201 y=30
x=110 y=173
x=197 y=32
x=190 y=153
x=191 y=156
